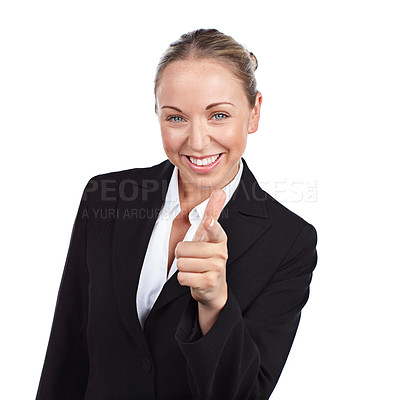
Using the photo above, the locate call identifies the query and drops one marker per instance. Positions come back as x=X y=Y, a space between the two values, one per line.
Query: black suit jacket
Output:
x=97 y=349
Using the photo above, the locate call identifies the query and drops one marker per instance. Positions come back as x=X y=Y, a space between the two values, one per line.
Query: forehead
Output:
x=206 y=80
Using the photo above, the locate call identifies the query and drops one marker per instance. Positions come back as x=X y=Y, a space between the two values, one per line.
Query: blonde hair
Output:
x=213 y=44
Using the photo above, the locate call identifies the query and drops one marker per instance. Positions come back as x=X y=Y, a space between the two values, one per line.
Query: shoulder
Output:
x=280 y=217
x=106 y=187
x=132 y=173
x=291 y=232
x=285 y=226
x=279 y=212
x=133 y=176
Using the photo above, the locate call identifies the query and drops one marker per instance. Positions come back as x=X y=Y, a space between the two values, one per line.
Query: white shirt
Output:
x=153 y=275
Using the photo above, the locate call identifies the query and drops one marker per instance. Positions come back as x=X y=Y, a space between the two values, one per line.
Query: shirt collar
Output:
x=171 y=207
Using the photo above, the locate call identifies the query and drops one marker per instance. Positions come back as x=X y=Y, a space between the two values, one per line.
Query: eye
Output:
x=220 y=116
x=175 y=118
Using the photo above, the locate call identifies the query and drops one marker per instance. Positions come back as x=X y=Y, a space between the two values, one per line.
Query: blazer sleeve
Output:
x=65 y=371
x=243 y=354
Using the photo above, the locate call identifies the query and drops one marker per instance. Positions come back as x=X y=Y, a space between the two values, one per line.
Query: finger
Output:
x=213 y=209
x=214 y=231
x=215 y=204
x=197 y=265
x=196 y=280
x=199 y=250
x=191 y=279
x=200 y=234
x=210 y=231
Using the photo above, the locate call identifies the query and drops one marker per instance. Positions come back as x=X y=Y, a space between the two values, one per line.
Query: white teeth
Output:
x=204 y=161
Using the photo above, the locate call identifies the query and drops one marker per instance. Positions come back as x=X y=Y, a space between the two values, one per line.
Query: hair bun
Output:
x=254 y=60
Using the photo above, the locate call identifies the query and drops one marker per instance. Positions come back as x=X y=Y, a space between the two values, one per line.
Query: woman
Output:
x=184 y=280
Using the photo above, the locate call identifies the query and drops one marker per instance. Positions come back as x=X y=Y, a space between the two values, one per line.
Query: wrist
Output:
x=217 y=304
x=209 y=313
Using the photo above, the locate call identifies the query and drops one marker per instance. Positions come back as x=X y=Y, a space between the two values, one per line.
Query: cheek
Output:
x=235 y=136
x=171 y=141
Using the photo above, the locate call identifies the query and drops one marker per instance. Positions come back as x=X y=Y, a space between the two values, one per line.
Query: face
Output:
x=205 y=117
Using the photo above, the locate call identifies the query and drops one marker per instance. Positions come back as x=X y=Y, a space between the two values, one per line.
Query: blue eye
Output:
x=220 y=116
x=175 y=118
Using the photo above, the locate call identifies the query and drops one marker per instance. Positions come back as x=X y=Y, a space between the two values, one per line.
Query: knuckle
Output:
x=210 y=281
x=178 y=249
x=223 y=254
x=216 y=265
x=180 y=277
x=220 y=268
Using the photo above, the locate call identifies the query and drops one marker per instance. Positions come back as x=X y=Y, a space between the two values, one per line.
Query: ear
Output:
x=255 y=114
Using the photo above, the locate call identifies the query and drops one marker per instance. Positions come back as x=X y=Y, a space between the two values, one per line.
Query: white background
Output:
x=76 y=100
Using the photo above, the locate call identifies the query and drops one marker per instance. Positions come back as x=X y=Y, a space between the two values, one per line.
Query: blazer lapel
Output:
x=245 y=217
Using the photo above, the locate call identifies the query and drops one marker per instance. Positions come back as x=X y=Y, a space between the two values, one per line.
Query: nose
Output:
x=198 y=138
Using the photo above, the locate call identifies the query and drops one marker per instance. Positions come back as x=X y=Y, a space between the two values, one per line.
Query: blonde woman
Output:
x=184 y=280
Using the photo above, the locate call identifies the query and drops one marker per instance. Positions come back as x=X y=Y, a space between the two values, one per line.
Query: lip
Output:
x=202 y=158
x=203 y=169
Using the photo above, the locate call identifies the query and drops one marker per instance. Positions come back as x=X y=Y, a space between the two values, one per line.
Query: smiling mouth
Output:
x=205 y=161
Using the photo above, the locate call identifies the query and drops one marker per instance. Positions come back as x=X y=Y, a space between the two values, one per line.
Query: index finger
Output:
x=214 y=208
x=215 y=204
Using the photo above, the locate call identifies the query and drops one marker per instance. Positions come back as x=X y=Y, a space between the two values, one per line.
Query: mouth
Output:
x=204 y=164
x=204 y=161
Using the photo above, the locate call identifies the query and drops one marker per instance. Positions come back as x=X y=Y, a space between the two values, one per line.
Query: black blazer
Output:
x=97 y=349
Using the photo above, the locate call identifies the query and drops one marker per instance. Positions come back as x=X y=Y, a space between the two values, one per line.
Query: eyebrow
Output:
x=217 y=104
x=207 y=108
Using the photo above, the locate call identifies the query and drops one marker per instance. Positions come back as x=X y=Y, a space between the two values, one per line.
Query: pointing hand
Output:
x=202 y=262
